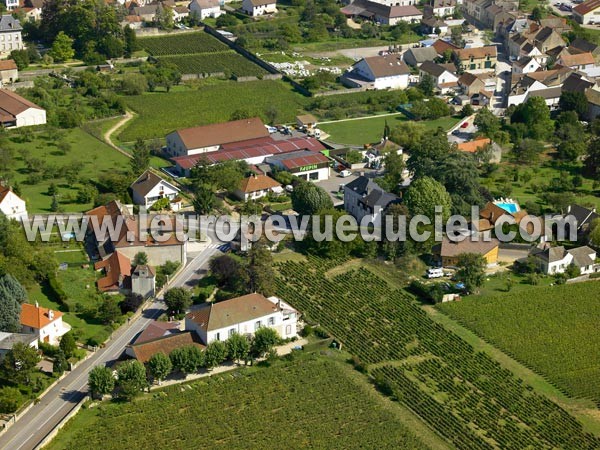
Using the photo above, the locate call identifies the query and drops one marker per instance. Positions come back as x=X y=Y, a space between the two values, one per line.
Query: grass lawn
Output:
x=160 y=113
x=551 y=329
x=88 y=155
x=368 y=130
x=309 y=402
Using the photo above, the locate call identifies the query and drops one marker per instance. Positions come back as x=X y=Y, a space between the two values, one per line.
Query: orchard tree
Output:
x=101 y=381
x=131 y=378
x=471 y=270
x=424 y=194
x=160 y=366
x=238 y=347
x=214 y=354
x=178 y=299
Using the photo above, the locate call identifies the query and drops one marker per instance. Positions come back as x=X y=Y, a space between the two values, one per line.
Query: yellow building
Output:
x=449 y=251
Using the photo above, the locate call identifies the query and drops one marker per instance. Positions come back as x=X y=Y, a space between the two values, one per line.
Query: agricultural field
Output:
x=195 y=53
x=369 y=130
x=310 y=402
x=159 y=113
x=465 y=395
x=39 y=162
x=227 y=62
x=552 y=330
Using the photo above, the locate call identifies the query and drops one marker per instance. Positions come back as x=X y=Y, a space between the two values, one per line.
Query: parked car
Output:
x=464 y=125
x=345 y=173
x=435 y=272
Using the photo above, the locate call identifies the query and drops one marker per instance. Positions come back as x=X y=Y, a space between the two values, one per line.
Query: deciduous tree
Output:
x=214 y=354
x=20 y=362
x=471 y=270
x=178 y=299
x=160 y=366
x=238 y=347
x=131 y=378
x=68 y=344
x=101 y=381
x=264 y=340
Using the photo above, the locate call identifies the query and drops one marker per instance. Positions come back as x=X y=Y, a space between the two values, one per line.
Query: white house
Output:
x=15 y=111
x=11 y=4
x=443 y=75
x=206 y=8
x=363 y=197
x=150 y=188
x=259 y=7
x=554 y=260
x=10 y=34
x=243 y=315
x=257 y=186
x=587 y=12
x=11 y=205
x=526 y=64
x=385 y=72
x=577 y=61
x=45 y=323
x=209 y=138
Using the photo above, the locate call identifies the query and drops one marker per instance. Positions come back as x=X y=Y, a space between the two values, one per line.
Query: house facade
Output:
x=150 y=188
x=364 y=198
x=242 y=315
x=10 y=34
x=384 y=72
x=256 y=8
x=9 y=73
x=442 y=74
x=11 y=205
x=477 y=58
x=310 y=166
x=555 y=260
x=449 y=251
x=46 y=324
x=257 y=186
x=16 y=111
x=587 y=12
x=206 y=8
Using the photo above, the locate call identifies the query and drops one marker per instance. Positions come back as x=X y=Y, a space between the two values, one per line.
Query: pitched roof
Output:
x=143 y=270
x=301 y=158
x=157 y=329
x=256 y=183
x=206 y=4
x=165 y=344
x=441 y=46
x=434 y=69
x=480 y=246
x=9 y=23
x=147 y=181
x=404 y=11
x=467 y=79
x=582 y=215
x=372 y=194
x=578 y=59
x=306 y=118
x=552 y=254
x=8 y=64
x=576 y=83
x=476 y=52
x=473 y=146
x=4 y=191
x=12 y=104
x=387 y=66
x=587 y=7
x=214 y=316
x=583 y=45
x=222 y=133
x=422 y=54
x=36 y=316
x=262 y=2
x=117 y=266
x=583 y=256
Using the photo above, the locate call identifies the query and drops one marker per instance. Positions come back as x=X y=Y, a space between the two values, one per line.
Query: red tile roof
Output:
x=587 y=7
x=117 y=266
x=306 y=160
x=36 y=316
x=165 y=344
x=156 y=330
x=258 y=183
x=473 y=146
x=8 y=64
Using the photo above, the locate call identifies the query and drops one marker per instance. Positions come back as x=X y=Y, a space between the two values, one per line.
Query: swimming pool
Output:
x=509 y=207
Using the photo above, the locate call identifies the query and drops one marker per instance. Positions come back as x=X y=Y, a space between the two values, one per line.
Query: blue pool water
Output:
x=509 y=207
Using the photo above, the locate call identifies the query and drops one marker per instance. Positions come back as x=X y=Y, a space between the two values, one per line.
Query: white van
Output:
x=435 y=272
x=345 y=173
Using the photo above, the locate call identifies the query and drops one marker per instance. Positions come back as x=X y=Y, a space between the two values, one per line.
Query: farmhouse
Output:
x=382 y=13
x=46 y=324
x=15 y=111
x=8 y=72
x=477 y=58
x=364 y=198
x=257 y=186
x=310 y=166
x=150 y=188
x=442 y=74
x=10 y=34
x=587 y=12
x=382 y=72
x=448 y=251
x=117 y=273
x=259 y=7
x=577 y=61
x=209 y=138
x=243 y=315
x=206 y=8
x=11 y=205
x=553 y=260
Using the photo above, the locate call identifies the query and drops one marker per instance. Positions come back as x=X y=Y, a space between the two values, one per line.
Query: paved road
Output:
x=40 y=420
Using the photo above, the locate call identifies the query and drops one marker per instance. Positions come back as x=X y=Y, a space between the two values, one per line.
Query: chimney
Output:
x=37 y=305
x=50 y=314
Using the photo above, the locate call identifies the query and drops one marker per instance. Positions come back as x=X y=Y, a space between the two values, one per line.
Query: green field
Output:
x=370 y=129
x=160 y=113
x=228 y=62
x=88 y=157
x=306 y=403
x=553 y=330
x=467 y=396
x=182 y=44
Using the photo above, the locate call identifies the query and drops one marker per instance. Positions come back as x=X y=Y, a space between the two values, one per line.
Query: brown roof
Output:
x=404 y=11
x=223 y=314
x=441 y=46
x=579 y=59
x=222 y=133
x=467 y=79
x=479 y=246
x=117 y=266
x=165 y=344
x=8 y=64
x=473 y=146
x=146 y=182
x=262 y=2
x=258 y=183
x=12 y=104
x=156 y=330
x=205 y=4
x=587 y=7
x=435 y=69
x=306 y=118
x=36 y=316
x=477 y=52
x=387 y=66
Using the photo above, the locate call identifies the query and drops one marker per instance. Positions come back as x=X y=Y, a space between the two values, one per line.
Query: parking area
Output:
x=332 y=185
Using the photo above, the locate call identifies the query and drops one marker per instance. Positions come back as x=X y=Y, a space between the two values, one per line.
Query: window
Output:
x=288 y=330
x=257 y=325
x=231 y=332
x=314 y=175
x=271 y=321
x=218 y=336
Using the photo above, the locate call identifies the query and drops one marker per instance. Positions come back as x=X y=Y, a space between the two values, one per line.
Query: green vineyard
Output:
x=464 y=395
x=553 y=330
x=227 y=62
x=200 y=53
